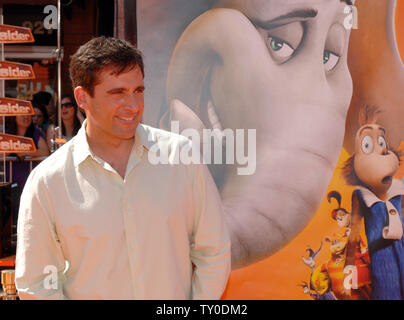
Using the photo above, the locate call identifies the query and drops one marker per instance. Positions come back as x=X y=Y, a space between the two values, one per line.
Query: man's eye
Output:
x=330 y=60
x=280 y=49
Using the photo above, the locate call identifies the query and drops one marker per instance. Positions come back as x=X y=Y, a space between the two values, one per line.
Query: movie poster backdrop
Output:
x=289 y=92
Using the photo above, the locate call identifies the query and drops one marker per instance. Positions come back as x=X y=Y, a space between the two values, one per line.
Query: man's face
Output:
x=116 y=107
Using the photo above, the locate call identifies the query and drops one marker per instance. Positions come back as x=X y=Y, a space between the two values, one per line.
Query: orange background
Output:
x=277 y=277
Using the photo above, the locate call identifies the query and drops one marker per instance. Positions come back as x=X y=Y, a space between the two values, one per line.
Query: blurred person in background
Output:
x=72 y=119
x=23 y=126
x=41 y=118
x=46 y=99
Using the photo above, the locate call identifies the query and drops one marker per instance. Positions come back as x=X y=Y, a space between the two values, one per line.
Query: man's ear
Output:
x=82 y=97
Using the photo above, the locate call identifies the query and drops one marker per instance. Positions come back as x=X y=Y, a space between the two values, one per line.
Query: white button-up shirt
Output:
x=86 y=233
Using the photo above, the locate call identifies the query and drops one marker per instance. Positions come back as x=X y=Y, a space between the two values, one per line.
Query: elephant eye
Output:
x=280 y=49
x=382 y=142
x=367 y=145
x=330 y=60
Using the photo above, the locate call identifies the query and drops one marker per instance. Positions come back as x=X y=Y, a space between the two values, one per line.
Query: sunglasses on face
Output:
x=67 y=105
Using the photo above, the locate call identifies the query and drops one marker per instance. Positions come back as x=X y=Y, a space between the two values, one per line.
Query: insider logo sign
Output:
x=15 y=71
x=13 y=34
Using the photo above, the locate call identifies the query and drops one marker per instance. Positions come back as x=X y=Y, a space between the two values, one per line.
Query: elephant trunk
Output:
x=282 y=196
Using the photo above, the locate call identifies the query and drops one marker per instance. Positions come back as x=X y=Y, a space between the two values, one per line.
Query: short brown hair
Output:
x=99 y=53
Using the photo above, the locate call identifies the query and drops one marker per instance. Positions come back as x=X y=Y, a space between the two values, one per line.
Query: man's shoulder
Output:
x=55 y=163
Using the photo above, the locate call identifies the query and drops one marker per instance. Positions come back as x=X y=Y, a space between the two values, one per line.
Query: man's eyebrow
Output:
x=295 y=15
x=116 y=90
x=122 y=89
x=382 y=129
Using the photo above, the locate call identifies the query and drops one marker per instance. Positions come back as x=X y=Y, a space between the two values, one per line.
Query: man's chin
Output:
x=127 y=134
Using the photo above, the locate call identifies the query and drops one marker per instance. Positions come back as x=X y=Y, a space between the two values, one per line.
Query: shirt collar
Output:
x=142 y=131
x=82 y=149
x=370 y=198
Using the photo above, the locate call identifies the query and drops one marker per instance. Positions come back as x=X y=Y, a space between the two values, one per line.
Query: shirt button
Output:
x=393 y=212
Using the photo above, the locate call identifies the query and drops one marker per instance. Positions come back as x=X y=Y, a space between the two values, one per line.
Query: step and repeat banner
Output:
x=300 y=106
x=15 y=107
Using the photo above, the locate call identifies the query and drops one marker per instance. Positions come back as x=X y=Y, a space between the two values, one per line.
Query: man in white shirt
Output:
x=98 y=220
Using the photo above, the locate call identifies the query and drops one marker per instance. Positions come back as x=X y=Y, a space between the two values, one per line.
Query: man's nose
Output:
x=385 y=152
x=132 y=103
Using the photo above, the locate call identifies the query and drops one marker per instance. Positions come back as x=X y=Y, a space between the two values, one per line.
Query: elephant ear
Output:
x=377 y=70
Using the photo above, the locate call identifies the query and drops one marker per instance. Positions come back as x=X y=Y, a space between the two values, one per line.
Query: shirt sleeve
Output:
x=210 y=249
x=39 y=260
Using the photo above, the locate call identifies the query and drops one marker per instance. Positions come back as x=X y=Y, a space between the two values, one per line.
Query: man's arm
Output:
x=210 y=249
x=39 y=261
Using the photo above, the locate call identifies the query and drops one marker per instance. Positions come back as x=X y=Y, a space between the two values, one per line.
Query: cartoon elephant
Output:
x=279 y=67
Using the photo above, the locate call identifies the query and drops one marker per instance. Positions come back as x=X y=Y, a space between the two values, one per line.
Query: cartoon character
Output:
x=309 y=261
x=335 y=268
x=332 y=270
x=378 y=199
x=320 y=285
x=362 y=260
x=341 y=215
x=322 y=281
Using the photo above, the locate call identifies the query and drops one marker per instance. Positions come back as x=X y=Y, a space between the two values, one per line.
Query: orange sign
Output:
x=15 y=107
x=13 y=34
x=12 y=70
x=15 y=144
